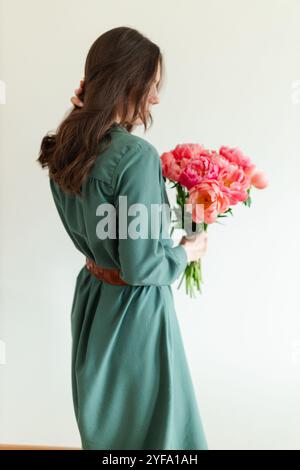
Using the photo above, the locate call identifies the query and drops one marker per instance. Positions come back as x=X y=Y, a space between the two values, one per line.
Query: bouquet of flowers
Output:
x=208 y=184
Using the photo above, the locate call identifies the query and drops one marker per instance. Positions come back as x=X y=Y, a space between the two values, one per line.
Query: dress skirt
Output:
x=131 y=382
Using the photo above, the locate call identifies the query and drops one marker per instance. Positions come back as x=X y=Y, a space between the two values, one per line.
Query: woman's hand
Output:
x=196 y=247
x=75 y=99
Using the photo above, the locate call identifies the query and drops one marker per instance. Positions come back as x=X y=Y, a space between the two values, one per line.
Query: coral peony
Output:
x=234 y=183
x=259 y=180
x=212 y=201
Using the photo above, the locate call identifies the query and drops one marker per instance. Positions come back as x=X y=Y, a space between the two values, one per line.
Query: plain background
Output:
x=232 y=78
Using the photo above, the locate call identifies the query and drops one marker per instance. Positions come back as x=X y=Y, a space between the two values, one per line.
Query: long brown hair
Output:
x=119 y=70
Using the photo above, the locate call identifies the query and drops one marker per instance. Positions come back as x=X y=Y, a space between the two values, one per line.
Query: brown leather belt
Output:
x=111 y=276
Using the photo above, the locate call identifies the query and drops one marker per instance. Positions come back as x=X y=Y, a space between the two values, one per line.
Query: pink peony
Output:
x=234 y=183
x=170 y=168
x=210 y=199
x=185 y=152
x=235 y=155
x=199 y=168
x=221 y=162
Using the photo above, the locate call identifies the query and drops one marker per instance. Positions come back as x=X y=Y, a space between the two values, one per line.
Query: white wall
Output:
x=232 y=71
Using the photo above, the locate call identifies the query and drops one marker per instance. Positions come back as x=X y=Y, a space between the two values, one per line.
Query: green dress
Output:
x=131 y=382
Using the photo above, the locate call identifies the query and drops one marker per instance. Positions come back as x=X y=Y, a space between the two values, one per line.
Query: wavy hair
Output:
x=120 y=68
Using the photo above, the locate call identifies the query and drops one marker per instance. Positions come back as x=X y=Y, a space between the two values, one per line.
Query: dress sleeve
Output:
x=144 y=260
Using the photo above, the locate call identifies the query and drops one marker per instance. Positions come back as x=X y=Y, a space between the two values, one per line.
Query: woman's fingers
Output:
x=196 y=245
x=76 y=101
x=79 y=90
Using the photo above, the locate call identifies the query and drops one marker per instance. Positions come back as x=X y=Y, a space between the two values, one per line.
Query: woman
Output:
x=130 y=379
